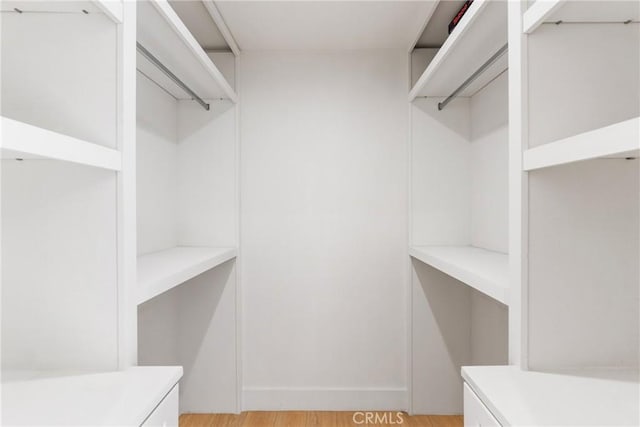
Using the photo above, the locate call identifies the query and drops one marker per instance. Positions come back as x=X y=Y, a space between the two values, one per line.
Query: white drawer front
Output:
x=475 y=413
x=166 y=413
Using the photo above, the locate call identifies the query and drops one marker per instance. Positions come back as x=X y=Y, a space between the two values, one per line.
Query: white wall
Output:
x=323 y=220
x=583 y=246
x=157 y=167
x=489 y=166
x=58 y=80
x=207 y=172
x=440 y=173
x=581 y=77
x=59 y=262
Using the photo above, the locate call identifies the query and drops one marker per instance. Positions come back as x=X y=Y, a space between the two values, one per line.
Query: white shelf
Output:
x=22 y=140
x=620 y=139
x=579 y=11
x=482 y=31
x=85 y=399
x=162 y=33
x=596 y=397
x=160 y=271
x=484 y=270
x=111 y=8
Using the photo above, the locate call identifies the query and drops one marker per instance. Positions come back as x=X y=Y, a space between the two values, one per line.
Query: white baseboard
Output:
x=324 y=399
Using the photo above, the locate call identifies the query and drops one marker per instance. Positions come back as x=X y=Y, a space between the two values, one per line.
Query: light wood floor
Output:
x=312 y=419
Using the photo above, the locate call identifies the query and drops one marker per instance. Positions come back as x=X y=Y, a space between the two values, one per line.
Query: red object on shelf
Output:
x=459 y=15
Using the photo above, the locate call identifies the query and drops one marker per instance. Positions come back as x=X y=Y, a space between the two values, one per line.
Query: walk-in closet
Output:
x=320 y=213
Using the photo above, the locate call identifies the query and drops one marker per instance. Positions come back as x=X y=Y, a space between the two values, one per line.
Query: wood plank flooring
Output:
x=316 y=419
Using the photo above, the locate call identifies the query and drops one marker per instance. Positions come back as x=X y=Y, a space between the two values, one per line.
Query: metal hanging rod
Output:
x=474 y=76
x=169 y=74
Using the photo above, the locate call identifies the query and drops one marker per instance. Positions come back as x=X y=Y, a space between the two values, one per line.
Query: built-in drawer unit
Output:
x=475 y=413
x=166 y=413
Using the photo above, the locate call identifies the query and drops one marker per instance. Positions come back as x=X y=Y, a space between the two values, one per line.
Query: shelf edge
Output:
x=112 y=8
x=151 y=290
x=183 y=33
x=449 y=45
x=28 y=139
x=620 y=138
x=481 y=284
x=537 y=13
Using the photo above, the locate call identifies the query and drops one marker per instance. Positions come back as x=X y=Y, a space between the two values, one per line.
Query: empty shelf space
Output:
x=25 y=141
x=482 y=31
x=484 y=270
x=619 y=140
x=163 y=270
x=81 y=399
x=166 y=37
x=554 y=11
x=111 y=8
x=572 y=397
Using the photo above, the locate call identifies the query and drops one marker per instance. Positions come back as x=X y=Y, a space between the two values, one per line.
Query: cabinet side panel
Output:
x=441 y=340
x=207 y=341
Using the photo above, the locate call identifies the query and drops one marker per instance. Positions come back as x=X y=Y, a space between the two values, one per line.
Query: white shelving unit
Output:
x=162 y=33
x=65 y=226
x=187 y=211
x=484 y=270
x=620 y=140
x=22 y=140
x=595 y=397
x=576 y=272
x=553 y=11
x=459 y=207
x=124 y=398
x=61 y=221
x=163 y=270
x=482 y=31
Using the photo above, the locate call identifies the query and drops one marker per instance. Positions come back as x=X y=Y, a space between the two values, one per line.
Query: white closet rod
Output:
x=474 y=76
x=172 y=76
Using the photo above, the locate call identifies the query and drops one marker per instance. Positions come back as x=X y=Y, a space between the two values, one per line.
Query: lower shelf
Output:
x=110 y=398
x=595 y=397
x=160 y=271
x=484 y=270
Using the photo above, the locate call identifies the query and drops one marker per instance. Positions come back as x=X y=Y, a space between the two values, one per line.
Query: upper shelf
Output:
x=163 y=270
x=482 y=31
x=579 y=11
x=111 y=8
x=484 y=270
x=123 y=398
x=22 y=140
x=620 y=139
x=579 y=397
x=162 y=33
